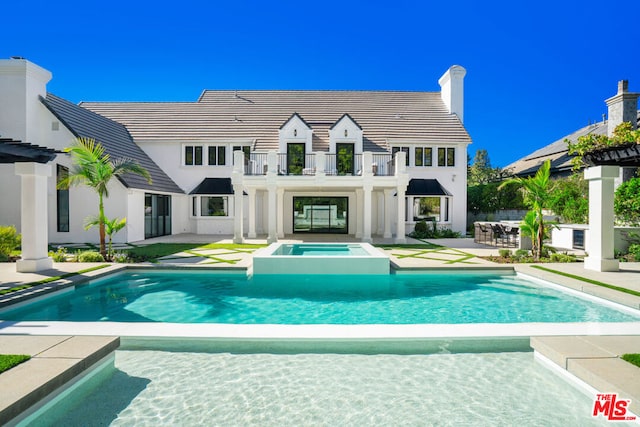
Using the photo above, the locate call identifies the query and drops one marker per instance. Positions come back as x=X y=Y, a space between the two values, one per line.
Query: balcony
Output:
x=320 y=163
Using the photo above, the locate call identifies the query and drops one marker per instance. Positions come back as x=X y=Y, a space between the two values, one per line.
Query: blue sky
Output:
x=536 y=71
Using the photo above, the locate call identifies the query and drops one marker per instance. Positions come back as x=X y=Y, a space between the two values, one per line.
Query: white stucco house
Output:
x=249 y=163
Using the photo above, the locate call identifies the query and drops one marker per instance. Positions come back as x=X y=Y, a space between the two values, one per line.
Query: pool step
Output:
x=55 y=360
x=596 y=361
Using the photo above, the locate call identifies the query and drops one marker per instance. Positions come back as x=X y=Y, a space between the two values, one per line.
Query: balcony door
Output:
x=345 y=156
x=295 y=159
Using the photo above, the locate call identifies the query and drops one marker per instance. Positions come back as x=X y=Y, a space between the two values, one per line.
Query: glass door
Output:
x=345 y=155
x=157 y=215
x=295 y=159
x=320 y=215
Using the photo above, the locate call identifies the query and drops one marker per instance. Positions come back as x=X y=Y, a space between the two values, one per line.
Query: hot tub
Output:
x=320 y=258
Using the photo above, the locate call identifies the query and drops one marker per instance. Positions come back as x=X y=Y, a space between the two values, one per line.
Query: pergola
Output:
x=31 y=163
x=604 y=168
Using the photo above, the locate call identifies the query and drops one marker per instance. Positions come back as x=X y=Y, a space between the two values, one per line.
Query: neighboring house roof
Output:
x=556 y=152
x=258 y=114
x=214 y=186
x=426 y=187
x=116 y=140
x=12 y=151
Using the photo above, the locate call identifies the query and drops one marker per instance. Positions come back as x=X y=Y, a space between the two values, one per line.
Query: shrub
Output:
x=120 y=257
x=421 y=227
x=562 y=258
x=521 y=253
x=9 y=240
x=60 y=255
x=422 y=230
x=504 y=253
x=634 y=251
x=90 y=256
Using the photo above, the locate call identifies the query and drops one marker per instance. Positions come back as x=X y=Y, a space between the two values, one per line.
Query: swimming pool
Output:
x=156 y=387
x=401 y=299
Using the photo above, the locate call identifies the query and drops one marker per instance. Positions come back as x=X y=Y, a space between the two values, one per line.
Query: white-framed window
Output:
x=431 y=208
x=446 y=157
x=193 y=155
x=217 y=155
x=423 y=156
x=210 y=206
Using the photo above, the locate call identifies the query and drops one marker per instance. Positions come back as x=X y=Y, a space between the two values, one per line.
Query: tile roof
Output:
x=116 y=140
x=258 y=114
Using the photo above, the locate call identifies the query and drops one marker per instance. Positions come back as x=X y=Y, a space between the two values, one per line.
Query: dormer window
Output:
x=345 y=131
x=295 y=131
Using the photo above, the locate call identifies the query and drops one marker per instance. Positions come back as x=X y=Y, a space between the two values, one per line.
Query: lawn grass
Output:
x=633 y=358
x=158 y=250
x=51 y=279
x=8 y=361
x=425 y=245
x=584 y=279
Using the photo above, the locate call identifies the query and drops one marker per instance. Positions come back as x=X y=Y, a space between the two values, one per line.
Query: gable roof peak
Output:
x=347 y=115
x=291 y=117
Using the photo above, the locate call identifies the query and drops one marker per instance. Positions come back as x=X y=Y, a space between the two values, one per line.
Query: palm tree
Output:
x=111 y=227
x=95 y=168
x=536 y=195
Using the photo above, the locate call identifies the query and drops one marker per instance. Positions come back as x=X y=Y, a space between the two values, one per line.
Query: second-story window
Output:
x=423 y=156
x=217 y=155
x=446 y=156
x=193 y=155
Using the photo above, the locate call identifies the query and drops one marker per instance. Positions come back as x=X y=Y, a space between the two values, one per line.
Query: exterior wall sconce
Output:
x=346 y=133
x=295 y=132
x=453 y=177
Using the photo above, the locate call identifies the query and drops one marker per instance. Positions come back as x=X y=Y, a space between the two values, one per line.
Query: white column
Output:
x=252 y=213
x=366 y=210
x=600 y=245
x=359 y=214
x=281 y=213
x=33 y=214
x=400 y=226
x=272 y=211
x=238 y=214
x=388 y=203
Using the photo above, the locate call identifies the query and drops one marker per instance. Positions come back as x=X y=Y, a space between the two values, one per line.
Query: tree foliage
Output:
x=627 y=202
x=569 y=199
x=486 y=197
x=92 y=166
x=481 y=171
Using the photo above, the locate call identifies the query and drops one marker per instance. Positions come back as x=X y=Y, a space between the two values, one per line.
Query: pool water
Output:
x=150 y=388
x=186 y=297
x=326 y=249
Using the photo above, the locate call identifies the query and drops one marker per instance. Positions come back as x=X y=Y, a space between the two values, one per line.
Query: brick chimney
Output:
x=452 y=90
x=623 y=107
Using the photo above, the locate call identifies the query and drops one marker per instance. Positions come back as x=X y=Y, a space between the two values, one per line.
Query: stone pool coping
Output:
x=55 y=361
